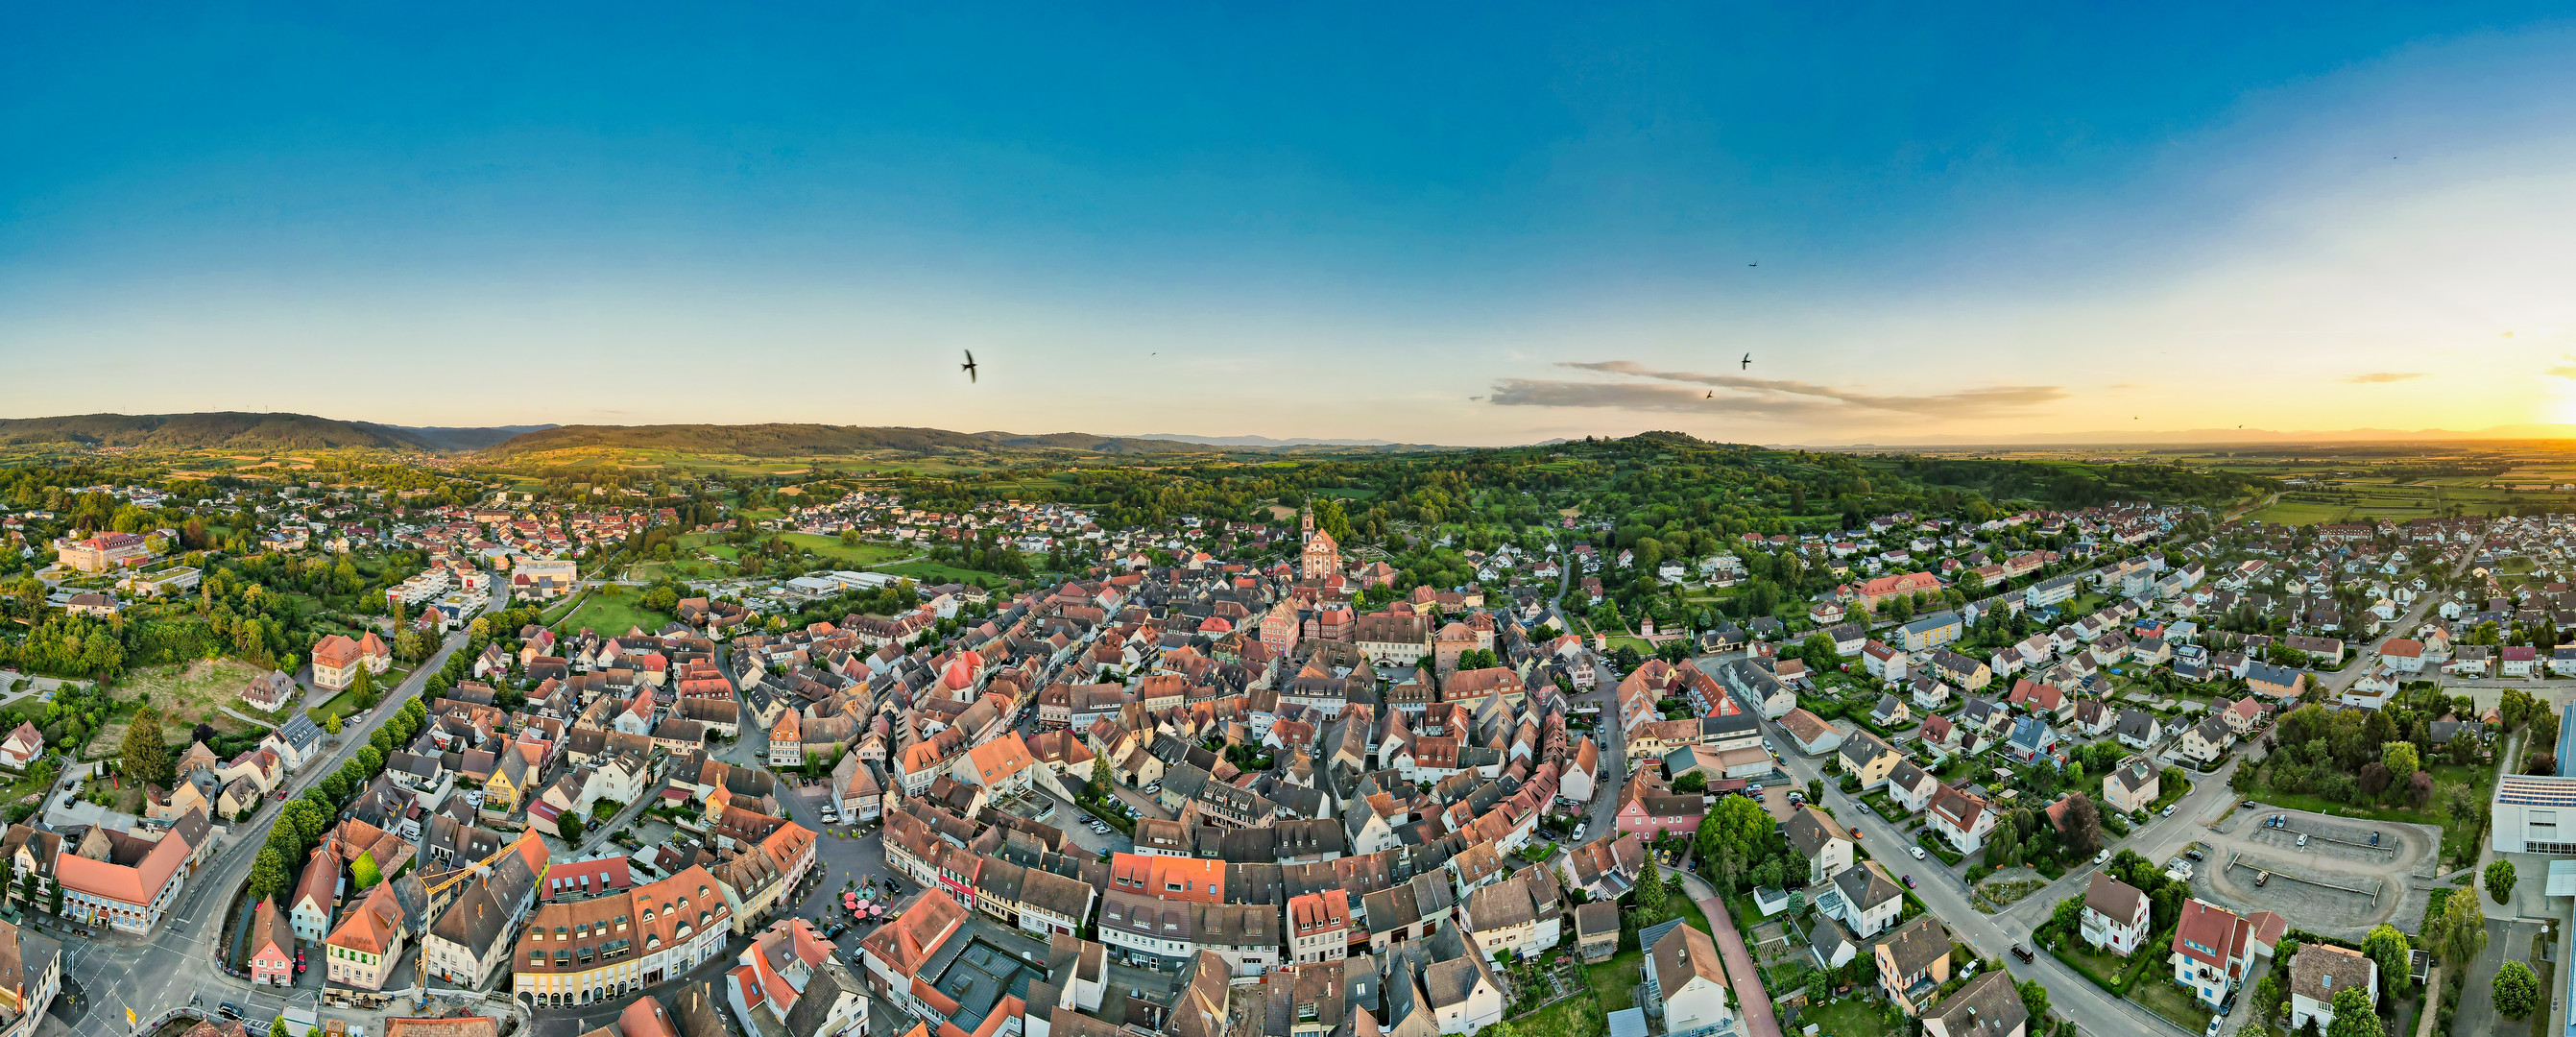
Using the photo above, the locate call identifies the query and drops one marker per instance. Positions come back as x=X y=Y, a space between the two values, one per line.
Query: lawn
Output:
x=1849 y=1017
x=2299 y=513
x=1577 y=1016
x=2459 y=835
x=862 y=554
x=614 y=614
x=2166 y=998
x=187 y=693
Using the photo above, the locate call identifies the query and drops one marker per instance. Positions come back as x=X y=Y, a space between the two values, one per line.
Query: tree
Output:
x=2499 y=880
x=2517 y=991
x=1695 y=781
x=2034 y=998
x=146 y=753
x=331 y=725
x=2354 y=1016
x=363 y=690
x=2083 y=825
x=1650 y=894
x=364 y=872
x=1099 y=776
x=1819 y=650
x=2400 y=757
x=2388 y=947
x=569 y=825
x=2067 y=916
x=268 y=874
x=2461 y=934
x=277 y=1027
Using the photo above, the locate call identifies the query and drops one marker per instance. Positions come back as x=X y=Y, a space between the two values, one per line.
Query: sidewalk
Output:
x=1752 y=1000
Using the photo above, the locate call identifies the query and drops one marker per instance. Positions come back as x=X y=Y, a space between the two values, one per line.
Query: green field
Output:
x=614 y=615
x=2298 y=513
x=856 y=555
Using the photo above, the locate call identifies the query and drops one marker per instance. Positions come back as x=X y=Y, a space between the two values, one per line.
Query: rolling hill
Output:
x=222 y=430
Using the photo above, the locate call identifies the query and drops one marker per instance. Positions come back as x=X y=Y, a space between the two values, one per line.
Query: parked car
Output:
x=2247 y=805
x=1917 y=851
x=2169 y=809
x=2102 y=856
x=1909 y=882
x=2195 y=854
x=2303 y=838
x=2261 y=877
x=2023 y=953
x=229 y=1010
x=2374 y=838
x=2214 y=1022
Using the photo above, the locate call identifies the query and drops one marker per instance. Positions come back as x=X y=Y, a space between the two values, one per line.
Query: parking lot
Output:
x=2322 y=872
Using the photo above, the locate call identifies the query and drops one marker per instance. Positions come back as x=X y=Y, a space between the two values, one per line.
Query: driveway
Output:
x=1752 y=998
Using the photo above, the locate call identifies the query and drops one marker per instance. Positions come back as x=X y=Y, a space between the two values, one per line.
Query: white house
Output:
x=2320 y=971
x=2115 y=915
x=1865 y=899
x=1684 y=975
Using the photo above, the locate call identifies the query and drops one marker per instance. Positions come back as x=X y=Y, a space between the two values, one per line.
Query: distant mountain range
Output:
x=2223 y=436
x=1267 y=441
x=232 y=430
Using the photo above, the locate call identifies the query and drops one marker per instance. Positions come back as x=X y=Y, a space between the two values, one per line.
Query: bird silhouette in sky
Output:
x=1748 y=362
x=1756 y=262
x=1712 y=394
x=969 y=366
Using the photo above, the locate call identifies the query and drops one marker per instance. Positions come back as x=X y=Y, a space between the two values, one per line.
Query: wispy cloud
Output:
x=2564 y=368
x=1743 y=394
x=2377 y=377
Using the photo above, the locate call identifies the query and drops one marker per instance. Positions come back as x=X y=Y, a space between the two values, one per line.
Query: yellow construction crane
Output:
x=420 y=954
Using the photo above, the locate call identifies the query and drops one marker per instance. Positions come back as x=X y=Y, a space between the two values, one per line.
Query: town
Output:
x=465 y=755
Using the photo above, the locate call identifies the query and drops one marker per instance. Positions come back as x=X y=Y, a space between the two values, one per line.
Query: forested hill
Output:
x=226 y=430
x=1654 y=479
x=806 y=440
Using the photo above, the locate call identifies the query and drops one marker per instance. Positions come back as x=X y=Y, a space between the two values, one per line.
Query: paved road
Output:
x=177 y=962
x=1753 y=1000
x=1946 y=896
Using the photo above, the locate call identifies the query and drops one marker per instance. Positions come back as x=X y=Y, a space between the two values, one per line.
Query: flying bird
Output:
x=1754 y=263
x=969 y=366
x=1748 y=362
x=1712 y=394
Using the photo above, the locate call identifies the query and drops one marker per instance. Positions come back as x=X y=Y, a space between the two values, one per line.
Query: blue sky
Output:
x=1327 y=221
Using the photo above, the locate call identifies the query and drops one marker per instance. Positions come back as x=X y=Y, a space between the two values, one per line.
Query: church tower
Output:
x=1321 y=556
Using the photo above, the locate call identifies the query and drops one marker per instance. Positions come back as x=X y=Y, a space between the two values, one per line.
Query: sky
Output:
x=1454 y=224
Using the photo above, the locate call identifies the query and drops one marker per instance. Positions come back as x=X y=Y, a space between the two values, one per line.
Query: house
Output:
x=1686 y=982
x=272 y=946
x=2243 y=716
x=2032 y=740
x=2138 y=729
x=2213 y=948
x=1988 y=1006
x=31 y=973
x=2517 y=660
x=1961 y=818
x=22 y=748
x=1910 y=786
x=2115 y=915
x=1865 y=899
x=2280 y=682
x=2318 y=972
x=118 y=879
x=1929 y=694
x=362 y=951
x=2093 y=718
x=1596 y=931
x=1930 y=632
x=1967 y=673
x=2131 y=785
x=1913 y=962
x=2403 y=654
x=1866 y=757
x=271 y=691
x=1810 y=733
x=1826 y=845
x=1891 y=712
x=2206 y=741
x=1883 y=662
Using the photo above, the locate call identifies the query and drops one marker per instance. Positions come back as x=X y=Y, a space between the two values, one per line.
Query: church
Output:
x=1323 y=557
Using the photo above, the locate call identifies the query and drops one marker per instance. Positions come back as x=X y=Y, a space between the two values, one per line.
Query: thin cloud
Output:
x=2565 y=368
x=1759 y=395
x=2379 y=377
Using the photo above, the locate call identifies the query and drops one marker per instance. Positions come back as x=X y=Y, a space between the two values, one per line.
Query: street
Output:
x=115 y=973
